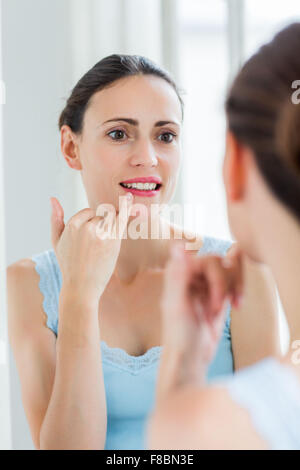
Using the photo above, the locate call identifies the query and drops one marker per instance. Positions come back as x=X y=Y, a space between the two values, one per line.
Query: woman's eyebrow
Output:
x=134 y=122
x=164 y=123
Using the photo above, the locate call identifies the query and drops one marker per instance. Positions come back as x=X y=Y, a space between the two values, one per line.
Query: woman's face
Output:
x=131 y=130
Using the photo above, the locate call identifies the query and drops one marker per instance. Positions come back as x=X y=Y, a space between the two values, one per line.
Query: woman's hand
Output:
x=86 y=255
x=194 y=303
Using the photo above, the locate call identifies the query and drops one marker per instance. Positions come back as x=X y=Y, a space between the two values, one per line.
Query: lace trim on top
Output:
x=119 y=357
x=48 y=288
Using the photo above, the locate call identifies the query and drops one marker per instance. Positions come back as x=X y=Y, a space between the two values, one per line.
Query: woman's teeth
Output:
x=141 y=186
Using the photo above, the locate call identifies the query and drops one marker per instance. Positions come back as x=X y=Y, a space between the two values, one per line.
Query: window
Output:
x=264 y=18
x=203 y=73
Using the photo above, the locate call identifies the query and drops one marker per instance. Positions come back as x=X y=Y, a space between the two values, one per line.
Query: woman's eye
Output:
x=117 y=135
x=167 y=137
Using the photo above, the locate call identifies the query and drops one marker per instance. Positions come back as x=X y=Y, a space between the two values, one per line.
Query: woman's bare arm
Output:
x=32 y=342
x=61 y=381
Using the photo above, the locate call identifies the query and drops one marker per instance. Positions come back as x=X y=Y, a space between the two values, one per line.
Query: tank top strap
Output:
x=49 y=284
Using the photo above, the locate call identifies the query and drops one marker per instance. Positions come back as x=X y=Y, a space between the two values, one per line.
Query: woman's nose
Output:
x=144 y=155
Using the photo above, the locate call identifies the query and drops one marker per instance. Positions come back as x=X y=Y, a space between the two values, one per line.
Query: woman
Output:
x=122 y=121
x=258 y=408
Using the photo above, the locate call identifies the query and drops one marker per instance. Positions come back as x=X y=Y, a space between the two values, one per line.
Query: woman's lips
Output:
x=141 y=193
x=144 y=179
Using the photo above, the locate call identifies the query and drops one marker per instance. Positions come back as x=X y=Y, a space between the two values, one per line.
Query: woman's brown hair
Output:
x=262 y=115
x=103 y=74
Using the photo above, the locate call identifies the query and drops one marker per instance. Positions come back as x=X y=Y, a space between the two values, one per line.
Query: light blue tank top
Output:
x=129 y=380
x=270 y=392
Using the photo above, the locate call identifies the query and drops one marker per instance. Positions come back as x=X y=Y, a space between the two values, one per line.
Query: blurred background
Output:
x=46 y=46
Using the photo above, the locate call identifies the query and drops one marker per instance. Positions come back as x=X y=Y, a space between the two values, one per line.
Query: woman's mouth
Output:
x=142 y=189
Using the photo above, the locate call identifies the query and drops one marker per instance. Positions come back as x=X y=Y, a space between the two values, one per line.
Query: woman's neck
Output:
x=142 y=254
x=281 y=252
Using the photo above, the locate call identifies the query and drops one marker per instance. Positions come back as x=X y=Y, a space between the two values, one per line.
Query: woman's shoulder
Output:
x=24 y=297
x=21 y=272
x=35 y=281
x=37 y=268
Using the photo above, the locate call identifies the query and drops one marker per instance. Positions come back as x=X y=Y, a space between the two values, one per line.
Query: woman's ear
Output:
x=234 y=168
x=69 y=147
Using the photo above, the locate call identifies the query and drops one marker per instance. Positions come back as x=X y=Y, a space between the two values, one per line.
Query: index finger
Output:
x=84 y=215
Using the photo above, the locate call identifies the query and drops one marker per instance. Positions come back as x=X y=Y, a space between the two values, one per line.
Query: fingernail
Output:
x=129 y=196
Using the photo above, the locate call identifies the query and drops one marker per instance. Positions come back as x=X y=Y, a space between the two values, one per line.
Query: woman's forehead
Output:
x=136 y=97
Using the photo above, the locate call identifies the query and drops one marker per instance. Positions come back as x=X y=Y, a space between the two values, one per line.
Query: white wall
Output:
x=37 y=70
x=5 y=421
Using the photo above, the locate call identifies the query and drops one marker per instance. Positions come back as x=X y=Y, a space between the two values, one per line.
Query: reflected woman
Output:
x=85 y=315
